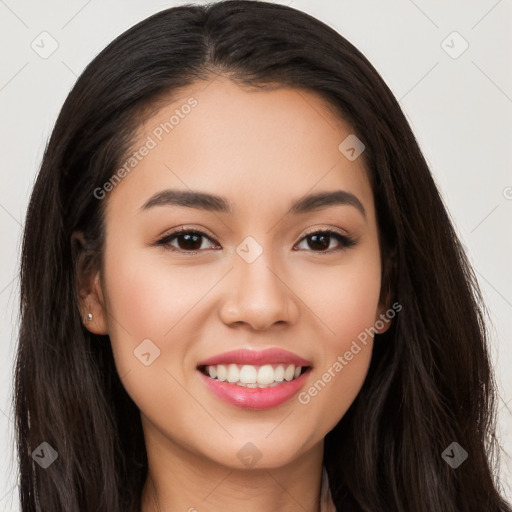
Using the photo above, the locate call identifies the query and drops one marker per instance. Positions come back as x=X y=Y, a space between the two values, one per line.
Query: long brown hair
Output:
x=429 y=382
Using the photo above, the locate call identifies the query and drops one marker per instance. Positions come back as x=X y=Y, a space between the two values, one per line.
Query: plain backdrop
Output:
x=448 y=63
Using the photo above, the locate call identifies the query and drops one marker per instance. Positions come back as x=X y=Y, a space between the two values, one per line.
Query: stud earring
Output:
x=89 y=317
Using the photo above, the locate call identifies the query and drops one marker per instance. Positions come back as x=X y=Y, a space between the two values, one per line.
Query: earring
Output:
x=89 y=317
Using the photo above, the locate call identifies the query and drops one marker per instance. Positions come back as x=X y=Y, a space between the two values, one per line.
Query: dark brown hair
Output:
x=429 y=382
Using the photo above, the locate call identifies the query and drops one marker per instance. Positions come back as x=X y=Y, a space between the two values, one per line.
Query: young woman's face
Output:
x=257 y=274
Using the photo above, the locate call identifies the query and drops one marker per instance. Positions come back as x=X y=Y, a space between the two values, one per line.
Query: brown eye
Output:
x=320 y=241
x=189 y=242
x=185 y=241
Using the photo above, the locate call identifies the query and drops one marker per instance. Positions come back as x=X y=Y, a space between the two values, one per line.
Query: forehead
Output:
x=258 y=147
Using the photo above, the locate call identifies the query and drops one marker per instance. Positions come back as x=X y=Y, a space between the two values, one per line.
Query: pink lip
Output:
x=255 y=398
x=256 y=358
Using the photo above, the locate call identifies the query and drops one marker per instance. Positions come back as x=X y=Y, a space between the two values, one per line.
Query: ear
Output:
x=88 y=286
x=382 y=321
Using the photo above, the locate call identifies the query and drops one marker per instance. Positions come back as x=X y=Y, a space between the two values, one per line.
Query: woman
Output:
x=240 y=286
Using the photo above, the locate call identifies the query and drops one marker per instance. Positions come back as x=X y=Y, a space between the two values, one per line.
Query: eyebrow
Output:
x=214 y=203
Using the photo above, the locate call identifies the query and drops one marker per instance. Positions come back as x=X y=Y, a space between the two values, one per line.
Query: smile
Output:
x=255 y=379
x=251 y=376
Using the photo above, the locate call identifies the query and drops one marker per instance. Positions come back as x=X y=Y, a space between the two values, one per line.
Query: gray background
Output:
x=458 y=103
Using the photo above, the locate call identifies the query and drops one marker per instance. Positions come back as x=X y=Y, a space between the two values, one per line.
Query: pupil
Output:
x=190 y=239
x=320 y=244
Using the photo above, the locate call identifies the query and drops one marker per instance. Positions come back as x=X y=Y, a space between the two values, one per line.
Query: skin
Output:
x=262 y=150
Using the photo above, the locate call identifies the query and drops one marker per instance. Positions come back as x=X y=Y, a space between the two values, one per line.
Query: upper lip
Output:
x=256 y=357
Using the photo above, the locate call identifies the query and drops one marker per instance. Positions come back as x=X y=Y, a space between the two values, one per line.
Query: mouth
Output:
x=254 y=376
x=255 y=379
x=254 y=387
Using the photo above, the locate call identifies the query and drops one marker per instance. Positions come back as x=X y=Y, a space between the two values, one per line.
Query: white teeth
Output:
x=251 y=376
x=289 y=372
x=248 y=375
x=266 y=374
x=241 y=384
x=222 y=373
x=233 y=373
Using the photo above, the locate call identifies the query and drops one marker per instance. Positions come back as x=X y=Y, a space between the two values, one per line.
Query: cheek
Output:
x=346 y=306
x=145 y=300
x=147 y=297
x=344 y=298
x=340 y=374
x=335 y=387
x=147 y=305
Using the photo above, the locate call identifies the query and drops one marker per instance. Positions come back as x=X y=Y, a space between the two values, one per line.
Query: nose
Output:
x=257 y=295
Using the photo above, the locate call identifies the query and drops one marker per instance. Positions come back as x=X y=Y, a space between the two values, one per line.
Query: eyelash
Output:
x=345 y=241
